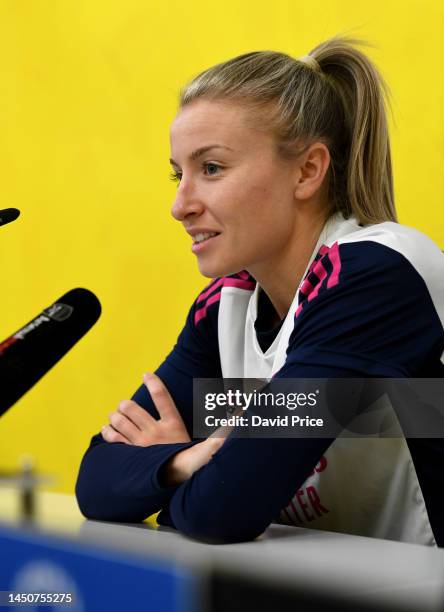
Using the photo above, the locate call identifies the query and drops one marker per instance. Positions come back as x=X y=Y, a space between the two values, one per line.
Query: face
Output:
x=235 y=200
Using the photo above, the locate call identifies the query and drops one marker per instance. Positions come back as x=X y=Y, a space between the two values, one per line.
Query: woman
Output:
x=285 y=186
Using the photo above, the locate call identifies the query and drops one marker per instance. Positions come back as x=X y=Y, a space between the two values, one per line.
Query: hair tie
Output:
x=310 y=61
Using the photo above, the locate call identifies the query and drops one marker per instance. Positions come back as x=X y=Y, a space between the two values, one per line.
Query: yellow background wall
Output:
x=88 y=89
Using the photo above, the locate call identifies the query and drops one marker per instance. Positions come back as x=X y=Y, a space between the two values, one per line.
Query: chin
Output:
x=218 y=269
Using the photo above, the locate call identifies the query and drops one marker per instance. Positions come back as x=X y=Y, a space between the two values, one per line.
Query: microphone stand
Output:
x=25 y=481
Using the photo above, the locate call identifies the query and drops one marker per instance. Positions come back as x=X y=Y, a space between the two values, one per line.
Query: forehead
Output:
x=223 y=122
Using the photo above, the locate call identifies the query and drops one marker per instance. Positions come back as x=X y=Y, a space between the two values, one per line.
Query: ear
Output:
x=313 y=166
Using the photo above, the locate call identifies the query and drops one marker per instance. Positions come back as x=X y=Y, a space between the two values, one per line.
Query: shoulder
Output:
x=375 y=294
x=392 y=242
x=405 y=256
x=386 y=259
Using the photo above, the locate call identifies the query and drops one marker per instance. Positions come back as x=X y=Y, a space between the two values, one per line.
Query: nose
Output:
x=186 y=202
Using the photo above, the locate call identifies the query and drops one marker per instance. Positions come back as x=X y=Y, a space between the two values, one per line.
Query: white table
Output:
x=303 y=566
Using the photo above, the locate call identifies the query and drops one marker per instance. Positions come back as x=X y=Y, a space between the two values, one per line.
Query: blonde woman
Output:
x=285 y=188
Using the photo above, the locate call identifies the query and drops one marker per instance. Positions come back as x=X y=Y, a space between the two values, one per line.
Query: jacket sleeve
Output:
x=119 y=482
x=369 y=315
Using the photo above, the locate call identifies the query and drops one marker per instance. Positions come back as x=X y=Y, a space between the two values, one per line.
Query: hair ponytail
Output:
x=334 y=94
x=363 y=93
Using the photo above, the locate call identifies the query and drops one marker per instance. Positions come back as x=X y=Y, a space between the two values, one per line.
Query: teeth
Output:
x=202 y=237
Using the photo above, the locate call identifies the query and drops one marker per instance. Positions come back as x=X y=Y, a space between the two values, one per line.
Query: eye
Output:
x=177 y=176
x=208 y=165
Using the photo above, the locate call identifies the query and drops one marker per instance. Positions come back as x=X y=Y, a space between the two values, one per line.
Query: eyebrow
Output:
x=198 y=152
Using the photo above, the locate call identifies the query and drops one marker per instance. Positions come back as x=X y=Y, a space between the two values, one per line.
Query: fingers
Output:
x=132 y=424
x=124 y=426
x=161 y=397
x=135 y=413
x=109 y=434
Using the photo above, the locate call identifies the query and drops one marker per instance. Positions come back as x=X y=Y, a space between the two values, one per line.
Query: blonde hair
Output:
x=335 y=95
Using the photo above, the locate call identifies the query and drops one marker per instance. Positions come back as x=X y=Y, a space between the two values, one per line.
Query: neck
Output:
x=281 y=276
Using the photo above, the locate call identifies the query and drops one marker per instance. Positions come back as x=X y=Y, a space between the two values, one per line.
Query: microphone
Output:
x=8 y=214
x=33 y=350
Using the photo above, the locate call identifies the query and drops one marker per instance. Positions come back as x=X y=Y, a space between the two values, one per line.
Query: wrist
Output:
x=172 y=473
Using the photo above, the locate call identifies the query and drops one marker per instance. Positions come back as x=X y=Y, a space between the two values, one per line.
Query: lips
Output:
x=202 y=236
x=204 y=240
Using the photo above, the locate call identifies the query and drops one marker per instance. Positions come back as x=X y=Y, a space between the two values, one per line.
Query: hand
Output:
x=132 y=424
x=184 y=463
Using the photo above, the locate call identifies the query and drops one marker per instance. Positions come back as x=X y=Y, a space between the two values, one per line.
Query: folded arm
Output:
x=118 y=481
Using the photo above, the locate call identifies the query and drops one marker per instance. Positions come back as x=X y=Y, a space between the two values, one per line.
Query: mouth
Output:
x=201 y=241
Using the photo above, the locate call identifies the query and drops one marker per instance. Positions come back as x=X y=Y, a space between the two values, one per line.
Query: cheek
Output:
x=254 y=206
x=266 y=207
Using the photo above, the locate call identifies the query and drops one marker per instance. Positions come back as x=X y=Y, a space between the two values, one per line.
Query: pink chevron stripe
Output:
x=244 y=274
x=237 y=282
x=306 y=287
x=335 y=259
x=202 y=312
x=299 y=309
x=310 y=269
x=211 y=285
x=323 y=249
x=317 y=268
x=226 y=282
x=321 y=273
x=214 y=285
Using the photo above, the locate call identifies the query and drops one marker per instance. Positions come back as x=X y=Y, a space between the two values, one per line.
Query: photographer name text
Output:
x=257 y=421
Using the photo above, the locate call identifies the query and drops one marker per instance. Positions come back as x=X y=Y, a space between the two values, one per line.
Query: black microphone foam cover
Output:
x=33 y=350
x=8 y=214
